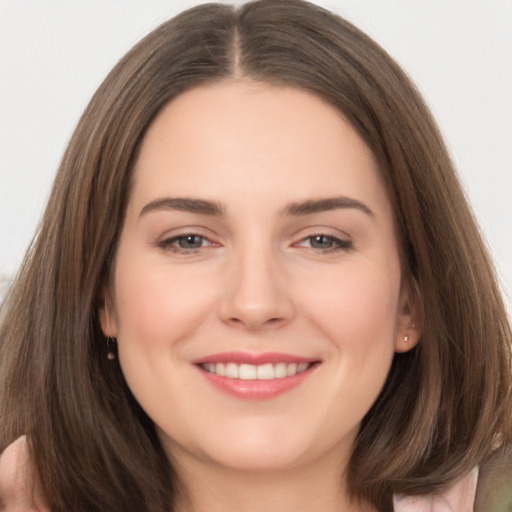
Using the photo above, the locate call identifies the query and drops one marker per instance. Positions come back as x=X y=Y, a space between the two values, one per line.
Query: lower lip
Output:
x=255 y=389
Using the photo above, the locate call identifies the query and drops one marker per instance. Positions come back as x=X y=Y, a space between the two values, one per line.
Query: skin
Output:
x=258 y=281
x=20 y=488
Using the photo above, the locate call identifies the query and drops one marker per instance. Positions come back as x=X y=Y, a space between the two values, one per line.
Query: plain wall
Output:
x=54 y=54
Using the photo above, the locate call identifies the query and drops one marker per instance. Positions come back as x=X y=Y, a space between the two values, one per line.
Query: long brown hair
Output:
x=445 y=404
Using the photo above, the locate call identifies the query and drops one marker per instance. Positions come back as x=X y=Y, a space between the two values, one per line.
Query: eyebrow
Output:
x=311 y=206
x=183 y=204
x=298 y=208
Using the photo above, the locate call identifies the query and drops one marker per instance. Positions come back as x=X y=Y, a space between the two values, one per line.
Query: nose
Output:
x=256 y=293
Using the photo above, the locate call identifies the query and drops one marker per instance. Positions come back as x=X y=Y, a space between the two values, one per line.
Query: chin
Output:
x=263 y=448
x=260 y=459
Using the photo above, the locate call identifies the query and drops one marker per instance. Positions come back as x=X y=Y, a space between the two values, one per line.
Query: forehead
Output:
x=250 y=140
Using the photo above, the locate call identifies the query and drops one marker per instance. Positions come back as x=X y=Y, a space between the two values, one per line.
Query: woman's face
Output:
x=257 y=298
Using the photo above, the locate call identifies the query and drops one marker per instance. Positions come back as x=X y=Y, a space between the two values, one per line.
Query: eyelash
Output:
x=338 y=244
x=170 y=244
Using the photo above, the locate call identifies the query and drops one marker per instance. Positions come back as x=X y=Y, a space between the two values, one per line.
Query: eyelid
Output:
x=167 y=240
x=342 y=242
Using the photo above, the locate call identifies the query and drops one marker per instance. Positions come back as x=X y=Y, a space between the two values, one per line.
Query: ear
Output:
x=108 y=317
x=409 y=316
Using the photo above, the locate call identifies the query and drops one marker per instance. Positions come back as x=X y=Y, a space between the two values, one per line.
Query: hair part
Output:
x=443 y=403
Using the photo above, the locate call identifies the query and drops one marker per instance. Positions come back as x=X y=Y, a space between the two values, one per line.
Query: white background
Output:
x=54 y=54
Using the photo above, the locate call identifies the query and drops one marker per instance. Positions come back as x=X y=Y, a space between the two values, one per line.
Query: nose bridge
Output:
x=255 y=293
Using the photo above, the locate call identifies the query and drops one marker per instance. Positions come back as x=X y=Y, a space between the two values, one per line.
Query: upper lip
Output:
x=254 y=359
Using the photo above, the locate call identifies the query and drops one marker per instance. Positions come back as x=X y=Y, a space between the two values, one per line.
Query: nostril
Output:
x=255 y=323
x=274 y=320
x=242 y=324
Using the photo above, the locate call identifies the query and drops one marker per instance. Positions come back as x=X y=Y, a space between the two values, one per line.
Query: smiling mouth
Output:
x=256 y=376
x=268 y=371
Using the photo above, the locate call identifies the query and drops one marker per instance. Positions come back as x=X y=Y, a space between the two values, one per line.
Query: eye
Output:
x=325 y=243
x=189 y=241
x=322 y=242
x=186 y=243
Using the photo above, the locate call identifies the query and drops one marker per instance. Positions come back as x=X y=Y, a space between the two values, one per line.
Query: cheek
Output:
x=358 y=308
x=158 y=312
x=358 y=314
x=156 y=307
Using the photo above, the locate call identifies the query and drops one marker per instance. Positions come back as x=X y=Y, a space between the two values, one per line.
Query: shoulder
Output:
x=20 y=489
x=494 y=492
x=458 y=498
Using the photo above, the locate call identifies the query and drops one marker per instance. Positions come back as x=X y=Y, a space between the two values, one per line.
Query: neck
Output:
x=210 y=488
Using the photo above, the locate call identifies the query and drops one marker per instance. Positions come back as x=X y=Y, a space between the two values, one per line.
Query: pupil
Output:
x=321 y=242
x=190 y=242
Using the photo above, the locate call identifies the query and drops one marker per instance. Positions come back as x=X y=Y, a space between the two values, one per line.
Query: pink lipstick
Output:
x=255 y=376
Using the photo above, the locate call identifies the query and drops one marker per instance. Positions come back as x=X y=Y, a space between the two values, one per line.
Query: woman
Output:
x=257 y=284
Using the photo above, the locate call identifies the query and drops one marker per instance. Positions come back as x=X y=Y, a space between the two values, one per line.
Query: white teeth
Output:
x=266 y=371
x=231 y=371
x=247 y=372
x=291 y=369
x=280 y=370
x=220 y=369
